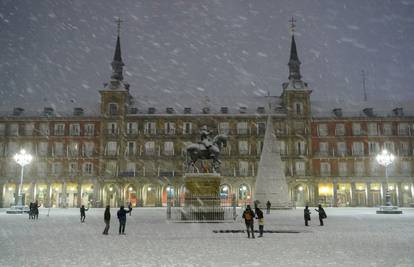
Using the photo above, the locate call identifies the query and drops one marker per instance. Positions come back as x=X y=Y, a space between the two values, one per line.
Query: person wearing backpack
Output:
x=306 y=214
x=248 y=216
x=260 y=220
x=322 y=214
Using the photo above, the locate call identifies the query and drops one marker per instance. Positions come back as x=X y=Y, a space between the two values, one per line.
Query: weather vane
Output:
x=118 y=21
x=292 y=25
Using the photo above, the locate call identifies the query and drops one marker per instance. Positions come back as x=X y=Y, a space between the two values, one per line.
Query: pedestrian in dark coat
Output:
x=260 y=219
x=36 y=207
x=31 y=210
x=268 y=205
x=121 y=214
x=83 y=213
x=306 y=214
x=322 y=214
x=107 y=219
x=130 y=208
x=248 y=216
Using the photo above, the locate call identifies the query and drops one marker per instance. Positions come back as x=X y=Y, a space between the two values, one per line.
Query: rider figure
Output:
x=206 y=139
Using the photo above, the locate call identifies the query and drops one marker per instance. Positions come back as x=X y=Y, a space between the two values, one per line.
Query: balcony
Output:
x=403 y=132
x=132 y=133
x=149 y=152
x=404 y=152
x=128 y=174
x=325 y=173
x=111 y=132
x=58 y=132
x=166 y=174
x=358 y=153
x=168 y=153
x=151 y=131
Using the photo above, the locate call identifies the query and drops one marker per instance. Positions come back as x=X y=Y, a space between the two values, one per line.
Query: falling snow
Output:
x=218 y=46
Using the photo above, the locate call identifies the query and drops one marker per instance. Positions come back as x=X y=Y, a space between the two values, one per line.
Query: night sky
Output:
x=58 y=53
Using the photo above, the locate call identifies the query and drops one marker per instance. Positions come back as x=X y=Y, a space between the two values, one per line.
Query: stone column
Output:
x=399 y=194
x=177 y=195
x=335 y=195
x=98 y=201
x=158 y=202
x=120 y=196
x=79 y=200
x=1 y=194
x=139 y=195
x=64 y=204
x=353 y=194
x=369 y=195
x=48 y=198
x=314 y=194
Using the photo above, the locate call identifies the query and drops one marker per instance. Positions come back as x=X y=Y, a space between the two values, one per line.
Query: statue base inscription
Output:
x=202 y=197
x=202 y=184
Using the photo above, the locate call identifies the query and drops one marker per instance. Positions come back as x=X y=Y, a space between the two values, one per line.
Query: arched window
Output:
x=244 y=192
x=224 y=191
x=170 y=191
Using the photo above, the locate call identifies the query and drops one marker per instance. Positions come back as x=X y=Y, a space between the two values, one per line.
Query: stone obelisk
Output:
x=271 y=184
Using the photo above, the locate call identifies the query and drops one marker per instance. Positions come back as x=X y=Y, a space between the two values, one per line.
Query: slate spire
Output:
x=117 y=63
x=294 y=63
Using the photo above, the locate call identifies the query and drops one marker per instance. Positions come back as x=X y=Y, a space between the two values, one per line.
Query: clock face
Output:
x=297 y=85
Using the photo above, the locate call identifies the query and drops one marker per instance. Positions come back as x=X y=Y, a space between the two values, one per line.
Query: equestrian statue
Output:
x=207 y=148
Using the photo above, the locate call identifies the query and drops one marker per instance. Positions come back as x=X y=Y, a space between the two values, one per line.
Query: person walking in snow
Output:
x=31 y=211
x=268 y=205
x=83 y=213
x=306 y=214
x=260 y=219
x=130 y=208
x=322 y=214
x=248 y=216
x=121 y=214
x=36 y=207
x=107 y=219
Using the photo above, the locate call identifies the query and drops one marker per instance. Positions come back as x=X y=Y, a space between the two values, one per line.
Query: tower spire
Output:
x=294 y=63
x=117 y=63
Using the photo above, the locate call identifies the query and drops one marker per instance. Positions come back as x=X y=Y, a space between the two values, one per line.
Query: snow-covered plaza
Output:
x=350 y=237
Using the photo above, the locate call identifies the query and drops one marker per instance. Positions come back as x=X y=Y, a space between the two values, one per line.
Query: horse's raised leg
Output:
x=194 y=167
x=216 y=165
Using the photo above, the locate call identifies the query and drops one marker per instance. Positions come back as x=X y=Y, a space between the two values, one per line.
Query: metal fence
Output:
x=201 y=209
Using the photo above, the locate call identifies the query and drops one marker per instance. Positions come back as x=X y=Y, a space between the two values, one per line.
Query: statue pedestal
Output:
x=202 y=184
x=202 y=197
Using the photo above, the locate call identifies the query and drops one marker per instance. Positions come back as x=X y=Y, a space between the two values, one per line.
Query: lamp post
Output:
x=22 y=158
x=385 y=158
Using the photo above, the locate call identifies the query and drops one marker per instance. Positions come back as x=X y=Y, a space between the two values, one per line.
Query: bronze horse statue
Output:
x=196 y=151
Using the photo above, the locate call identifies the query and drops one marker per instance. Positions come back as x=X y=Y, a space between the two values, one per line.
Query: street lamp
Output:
x=385 y=158
x=22 y=158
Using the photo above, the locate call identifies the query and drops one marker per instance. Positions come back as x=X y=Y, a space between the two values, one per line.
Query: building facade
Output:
x=126 y=153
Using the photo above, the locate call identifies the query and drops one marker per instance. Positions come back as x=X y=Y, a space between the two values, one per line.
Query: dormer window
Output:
x=298 y=108
x=113 y=109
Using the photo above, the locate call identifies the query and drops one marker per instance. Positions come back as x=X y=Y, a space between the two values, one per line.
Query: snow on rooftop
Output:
x=384 y=108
